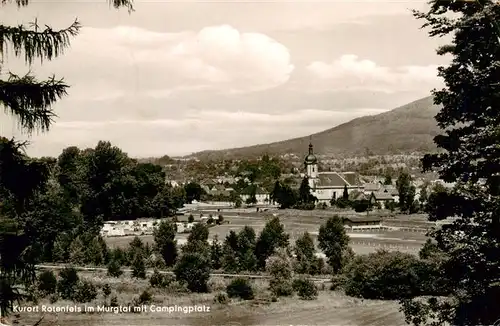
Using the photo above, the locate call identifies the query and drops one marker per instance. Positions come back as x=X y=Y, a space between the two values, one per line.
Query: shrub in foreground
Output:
x=144 y=298
x=158 y=280
x=221 y=298
x=106 y=290
x=280 y=269
x=85 y=292
x=193 y=269
x=139 y=267
x=305 y=288
x=47 y=283
x=240 y=288
x=114 y=268
x=383 y=275
x=68 y=282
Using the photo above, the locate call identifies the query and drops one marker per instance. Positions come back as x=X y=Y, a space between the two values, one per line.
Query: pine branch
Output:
x=44 y=44
x=29 y=100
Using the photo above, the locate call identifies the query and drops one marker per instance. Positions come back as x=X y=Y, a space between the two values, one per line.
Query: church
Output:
x=326 y=186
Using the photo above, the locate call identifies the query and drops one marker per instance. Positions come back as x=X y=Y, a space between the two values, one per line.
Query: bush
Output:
x=305 y=288
x=114 y=268
x=47 y=283
x=240 y=288
x=221 y=298
x=119 y=255
x=318 y=266
x=342 y=203
x=193 y=269
x=113 y=302
x=158 y=280
x=85 y=292
x=220 y=220
x=106 y=290
x=53 y=298
x=361 y=206
x=338 y=282
x=145 y=298
x=383 y=275
x=68 y=282
x=280 y=269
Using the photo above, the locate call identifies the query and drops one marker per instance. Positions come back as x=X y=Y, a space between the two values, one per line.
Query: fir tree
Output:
x=93 y=252
x=114 y=268
x=216 y=253
x=345 y=194
x=77 y=252
x=469 y=143
x=165 y=244
x=138 y=266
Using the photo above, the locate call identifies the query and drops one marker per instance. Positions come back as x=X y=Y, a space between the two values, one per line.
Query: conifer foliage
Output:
x=470 y=118
x=29 y=100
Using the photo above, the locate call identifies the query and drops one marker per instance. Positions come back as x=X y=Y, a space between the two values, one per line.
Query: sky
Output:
x=176 y=77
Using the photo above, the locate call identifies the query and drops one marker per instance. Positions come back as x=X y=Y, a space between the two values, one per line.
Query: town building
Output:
x=262 y=196
x=381 y=198
x=360 y=223
x=326 y=186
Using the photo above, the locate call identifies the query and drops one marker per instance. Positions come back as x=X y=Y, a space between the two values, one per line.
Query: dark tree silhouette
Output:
x=470 y=155
x=29 y=100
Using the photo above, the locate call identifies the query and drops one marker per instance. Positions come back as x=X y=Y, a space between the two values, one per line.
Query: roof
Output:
x=380 y=195
x=372 y=186
x=310 y=159
x=331 y=179
x=357 y=195
x=221 y=193
x=391 y=190
x=363 y=219
x=352 y=178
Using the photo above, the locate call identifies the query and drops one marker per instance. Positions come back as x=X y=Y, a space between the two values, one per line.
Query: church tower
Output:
x=311 y=164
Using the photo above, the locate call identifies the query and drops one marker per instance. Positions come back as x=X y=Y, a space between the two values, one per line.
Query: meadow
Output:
x=298 y=222
x=330 y=307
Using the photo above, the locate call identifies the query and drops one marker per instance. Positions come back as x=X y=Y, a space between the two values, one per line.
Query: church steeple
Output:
x=310 y=158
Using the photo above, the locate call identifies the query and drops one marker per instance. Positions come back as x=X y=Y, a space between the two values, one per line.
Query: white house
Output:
x=263 y=197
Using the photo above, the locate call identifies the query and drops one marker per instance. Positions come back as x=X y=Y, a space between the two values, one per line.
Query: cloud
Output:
x=354 y=73
x=196 y=130
x=142 y=62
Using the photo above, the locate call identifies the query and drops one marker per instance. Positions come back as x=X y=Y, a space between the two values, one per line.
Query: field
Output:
x=331 y=308
x=297 y=223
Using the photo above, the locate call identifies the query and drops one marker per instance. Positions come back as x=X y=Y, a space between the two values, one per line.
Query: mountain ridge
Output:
x=405 y=129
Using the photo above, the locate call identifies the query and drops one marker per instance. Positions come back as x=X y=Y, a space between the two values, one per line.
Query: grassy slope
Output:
x=405 y=129
x=331 y=308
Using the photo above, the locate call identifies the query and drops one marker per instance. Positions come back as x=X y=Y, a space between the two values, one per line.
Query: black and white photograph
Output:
x=245 y=163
